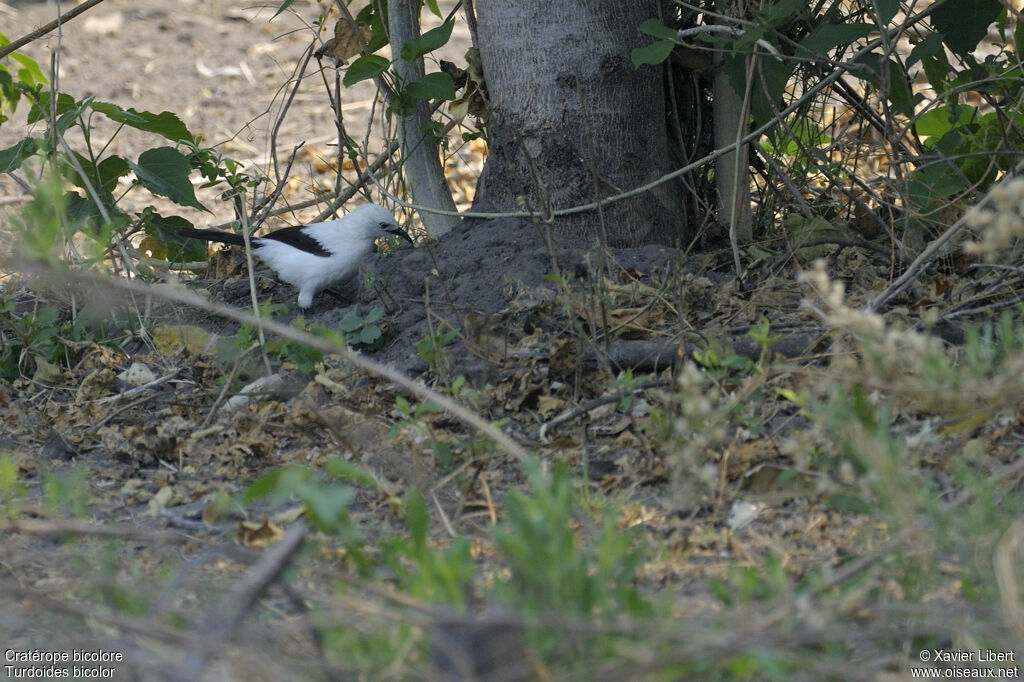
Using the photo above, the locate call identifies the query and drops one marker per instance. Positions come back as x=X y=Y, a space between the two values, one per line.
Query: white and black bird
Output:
x=315 y=256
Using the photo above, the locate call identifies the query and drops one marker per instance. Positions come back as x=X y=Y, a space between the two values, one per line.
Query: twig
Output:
x=931 y=252
x=284 y=110
x=139 y=389
x=86 y=612
x=250 y=265
x=227 y=387
x=542 y=432
x=444 y=516
x=64 y=18
x=268 y=204
x=225 y=617
x=181 y=295
x=854 y=242
x=82 y=528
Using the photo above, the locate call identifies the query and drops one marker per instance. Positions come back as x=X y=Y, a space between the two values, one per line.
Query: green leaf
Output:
x=850 y=504
x=937 y=181
x=936 y=122
x=745 y=43
x=281 y=483
x=350 y=323
x=282 y=7
x=264 y=485
x=433 y=86
x=768 y=88
x=428 y=42
x=927 y=48
x=829 y=36
x=1018 y=38
x=432 y=6
x=30 y=74
x=887 y=9
x=83 y=213
x=165 y=123
x=888 y=72
x=654 y=27
x=417 y=520
x=352 y=471
x=782 y=10
x=369 y=335
x=655 y=53
x=102 y=176
x=937 y=71
x=40 y=110
x=110 y=170
x=964 y=22
x=900 y=93
x=12 y=157
x=165 y=171
x=166 y=230
x=369 y=16
x=365 y=67
x=327 y=505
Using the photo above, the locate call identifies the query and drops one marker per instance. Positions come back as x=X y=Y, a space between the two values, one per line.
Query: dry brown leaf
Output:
x=348 y=41
x=259 y=534
x=549 y=404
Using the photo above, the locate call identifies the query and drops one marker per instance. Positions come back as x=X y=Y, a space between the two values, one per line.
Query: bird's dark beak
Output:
x=399 y=232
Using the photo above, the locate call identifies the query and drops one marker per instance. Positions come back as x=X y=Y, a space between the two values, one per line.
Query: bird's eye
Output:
x=384 y=226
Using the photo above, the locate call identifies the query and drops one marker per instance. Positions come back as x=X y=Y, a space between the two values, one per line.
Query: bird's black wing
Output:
x=296 y=236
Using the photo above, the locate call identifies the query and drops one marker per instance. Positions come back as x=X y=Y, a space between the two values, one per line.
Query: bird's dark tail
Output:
x=212 y=236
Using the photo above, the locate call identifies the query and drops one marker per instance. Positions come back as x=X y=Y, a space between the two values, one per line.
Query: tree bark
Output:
x=572 y=120
x=732 y=183
x=423 y=169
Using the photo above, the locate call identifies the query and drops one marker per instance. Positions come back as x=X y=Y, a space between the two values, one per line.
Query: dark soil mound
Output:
x=473 y=273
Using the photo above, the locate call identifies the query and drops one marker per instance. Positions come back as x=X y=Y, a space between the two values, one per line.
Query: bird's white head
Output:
x=375 y=221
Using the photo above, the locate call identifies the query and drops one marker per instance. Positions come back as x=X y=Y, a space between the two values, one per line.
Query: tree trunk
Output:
x=572 y=120
x=419 y=151
x=733 y=183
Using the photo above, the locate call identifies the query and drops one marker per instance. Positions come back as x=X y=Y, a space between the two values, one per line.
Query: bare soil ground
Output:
x=163 y=476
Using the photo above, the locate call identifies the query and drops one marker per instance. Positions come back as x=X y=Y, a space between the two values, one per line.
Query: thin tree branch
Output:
x=42 y=31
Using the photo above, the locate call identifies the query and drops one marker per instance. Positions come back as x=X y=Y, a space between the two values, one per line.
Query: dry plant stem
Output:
x=276 y=129
x=43 y=30
x=857 y=242
x=93 y=613
x=267 y=206
x=131 y=393
x=986 y=309
x=64 y=527
x=180 y=295
x=470 y=12
x=59 y=139
x=374 y=169
x=921 y=262
x=252 y=280
x=371 y=174
x=452 y=533
x=737 y=211
x=602 y=252
x=224 y=391
x=786 y=179
x=224 y=617
x=579 y=410
x=440 y=275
